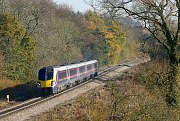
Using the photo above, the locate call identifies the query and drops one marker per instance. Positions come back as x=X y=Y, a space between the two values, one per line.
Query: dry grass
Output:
x=130 y=99
x=17 y=92
x=8 y=83
x=5 y=104
x=152 y=74
x=4 y=84
x=127 y=101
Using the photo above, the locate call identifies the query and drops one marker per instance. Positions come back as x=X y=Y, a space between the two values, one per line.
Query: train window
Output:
x=41 y=74
x=82 y=69
x=49 y=75
x=62 y=75
x=89 y=67
x=95 y=65
x=73 y=71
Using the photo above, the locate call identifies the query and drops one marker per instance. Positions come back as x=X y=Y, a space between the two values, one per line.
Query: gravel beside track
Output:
x=70 y=95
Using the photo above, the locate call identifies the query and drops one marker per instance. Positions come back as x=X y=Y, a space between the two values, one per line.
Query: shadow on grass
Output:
x=20 y=92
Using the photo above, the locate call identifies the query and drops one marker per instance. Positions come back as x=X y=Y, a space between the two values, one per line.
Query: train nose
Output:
x=46 y=83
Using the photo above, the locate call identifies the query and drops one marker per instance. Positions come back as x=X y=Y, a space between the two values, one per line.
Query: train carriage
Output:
x=53 y=79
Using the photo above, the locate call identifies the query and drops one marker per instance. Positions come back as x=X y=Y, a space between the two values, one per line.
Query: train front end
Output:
x=46 y=81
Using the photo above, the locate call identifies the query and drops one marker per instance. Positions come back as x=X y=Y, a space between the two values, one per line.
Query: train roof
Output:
x=74 y=65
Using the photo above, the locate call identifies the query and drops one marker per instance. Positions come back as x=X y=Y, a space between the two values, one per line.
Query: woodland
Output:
x=41 y=33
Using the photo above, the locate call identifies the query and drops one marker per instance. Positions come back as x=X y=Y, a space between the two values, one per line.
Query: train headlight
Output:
x=38 y=84
x=53 y=83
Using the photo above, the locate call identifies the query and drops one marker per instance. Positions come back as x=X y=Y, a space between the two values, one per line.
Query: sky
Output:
x=77 y=5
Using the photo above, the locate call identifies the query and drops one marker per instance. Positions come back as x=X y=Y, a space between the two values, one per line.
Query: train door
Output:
x=68 y=76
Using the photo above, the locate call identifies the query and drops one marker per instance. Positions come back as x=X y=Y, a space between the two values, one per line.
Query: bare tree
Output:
x=162 y=19
x=29 y=13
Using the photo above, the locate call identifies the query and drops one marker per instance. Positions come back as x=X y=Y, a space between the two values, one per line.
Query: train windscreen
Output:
x=45 y=74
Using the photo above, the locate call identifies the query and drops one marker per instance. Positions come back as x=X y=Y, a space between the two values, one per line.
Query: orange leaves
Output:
x=117 y=48
x=110 y=33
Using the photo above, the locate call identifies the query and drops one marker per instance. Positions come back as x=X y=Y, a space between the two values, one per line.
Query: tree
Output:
x=110 y=36
x=97 y=45
x=17 y=48
x=162 y=19
x=118 y=40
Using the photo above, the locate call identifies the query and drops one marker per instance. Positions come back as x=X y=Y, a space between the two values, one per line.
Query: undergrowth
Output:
x=8 y=83
x=138 y=95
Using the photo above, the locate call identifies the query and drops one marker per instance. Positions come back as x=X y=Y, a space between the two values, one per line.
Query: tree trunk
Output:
x=173 y=87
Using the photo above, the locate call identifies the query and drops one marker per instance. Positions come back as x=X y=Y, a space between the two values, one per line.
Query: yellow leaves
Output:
x=102 y=29
x=91 y=25
x=117 y=48
x=113 y=51
x=17 y=48
x=9 y=27
x=109 y=35
x=110 y=32
x=114 y=45
x=95 y=21
x=95 y=18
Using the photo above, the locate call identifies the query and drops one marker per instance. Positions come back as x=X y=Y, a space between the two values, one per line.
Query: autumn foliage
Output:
x=17 y=48
x=109 y=33
x=34 y=34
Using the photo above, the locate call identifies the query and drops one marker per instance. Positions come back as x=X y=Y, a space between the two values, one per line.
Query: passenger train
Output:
x=53 y=79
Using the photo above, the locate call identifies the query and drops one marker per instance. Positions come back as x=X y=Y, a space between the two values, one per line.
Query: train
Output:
x=54 y=79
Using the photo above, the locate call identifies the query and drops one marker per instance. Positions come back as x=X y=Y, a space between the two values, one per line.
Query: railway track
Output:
x=30 y=103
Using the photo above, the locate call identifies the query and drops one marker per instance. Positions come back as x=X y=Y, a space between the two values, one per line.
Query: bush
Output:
x=153 y=75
